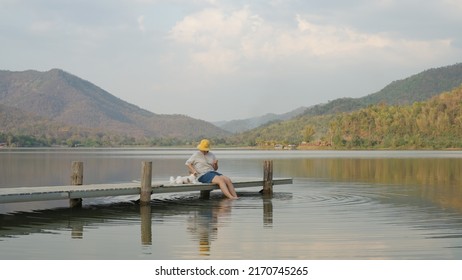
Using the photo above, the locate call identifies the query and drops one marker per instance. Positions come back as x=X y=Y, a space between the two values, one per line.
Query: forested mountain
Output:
x=60 y=98
x=314 y=126
x=19 y=128
x=436 y=123
x=418 y=87
x=56 y=107
x=293 y=131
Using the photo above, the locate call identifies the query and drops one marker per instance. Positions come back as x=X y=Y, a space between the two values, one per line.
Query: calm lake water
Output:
x=342 y=205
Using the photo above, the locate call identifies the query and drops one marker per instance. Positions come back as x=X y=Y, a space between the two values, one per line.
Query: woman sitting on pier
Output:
x=204 y=165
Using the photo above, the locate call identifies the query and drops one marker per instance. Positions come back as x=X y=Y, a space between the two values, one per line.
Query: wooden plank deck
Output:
x=25 y=194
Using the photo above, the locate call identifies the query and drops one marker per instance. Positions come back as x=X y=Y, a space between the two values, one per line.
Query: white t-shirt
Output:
x=202 y=163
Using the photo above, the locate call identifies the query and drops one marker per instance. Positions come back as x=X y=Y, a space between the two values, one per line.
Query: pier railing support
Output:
x=268 y=178
x=76 y=180
x=146 y=182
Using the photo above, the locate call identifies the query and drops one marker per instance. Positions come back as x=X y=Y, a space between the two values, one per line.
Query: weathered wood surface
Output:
x=23 y=194
x=76 y=180
x=268 y=178
x=146 y=182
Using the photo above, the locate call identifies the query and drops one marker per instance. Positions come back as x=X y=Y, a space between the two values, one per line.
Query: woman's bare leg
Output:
x=223 y=184
x=230 y=185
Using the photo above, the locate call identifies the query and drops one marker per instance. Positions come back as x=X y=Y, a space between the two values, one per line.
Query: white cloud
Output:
x=213 y=38
x=209 y=27
x=42 y=26
x=141 y=25
x=335 y=40
x=221 y=41
x=454 y=4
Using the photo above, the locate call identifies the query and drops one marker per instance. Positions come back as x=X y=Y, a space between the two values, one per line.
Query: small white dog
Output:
x=191 y=179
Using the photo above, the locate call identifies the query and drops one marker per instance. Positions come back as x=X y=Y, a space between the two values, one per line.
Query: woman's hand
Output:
x=192 y=170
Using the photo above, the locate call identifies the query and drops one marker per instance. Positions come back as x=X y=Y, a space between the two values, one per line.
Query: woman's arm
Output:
x=192 y=170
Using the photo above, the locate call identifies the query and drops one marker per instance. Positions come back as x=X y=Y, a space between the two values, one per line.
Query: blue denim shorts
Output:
x=208 y=177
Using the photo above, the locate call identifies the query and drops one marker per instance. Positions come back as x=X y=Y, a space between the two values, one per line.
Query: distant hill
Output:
x=241 y=125
x=19 y=122
x=435 y=123
x=58 y=98
x=21 y=128
x=415 y=88
x=418 y=87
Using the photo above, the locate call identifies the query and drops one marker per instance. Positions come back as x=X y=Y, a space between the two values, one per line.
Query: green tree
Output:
x=308 y=133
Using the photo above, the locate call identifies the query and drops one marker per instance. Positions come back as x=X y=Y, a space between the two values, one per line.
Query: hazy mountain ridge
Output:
x=66 y=99
x=57 y=103
x=418 y=87
x=236 y=126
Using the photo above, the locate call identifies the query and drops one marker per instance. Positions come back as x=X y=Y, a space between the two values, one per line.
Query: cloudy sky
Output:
x=232 y=59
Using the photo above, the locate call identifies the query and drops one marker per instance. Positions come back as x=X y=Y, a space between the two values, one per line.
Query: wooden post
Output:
x=205 y=194
x=145 y=206
x=146 y=182
x=267 y=212
x=77 y=229
x=146 y=224
x=76 y=180
x=268 y=178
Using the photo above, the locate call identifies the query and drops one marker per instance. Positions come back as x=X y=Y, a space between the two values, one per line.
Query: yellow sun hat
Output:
x=204 y=145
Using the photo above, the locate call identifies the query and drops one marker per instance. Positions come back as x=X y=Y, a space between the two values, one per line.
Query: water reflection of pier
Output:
x=202 y=222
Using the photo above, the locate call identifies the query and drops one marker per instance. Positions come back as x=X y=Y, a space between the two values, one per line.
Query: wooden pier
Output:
x=77 y=191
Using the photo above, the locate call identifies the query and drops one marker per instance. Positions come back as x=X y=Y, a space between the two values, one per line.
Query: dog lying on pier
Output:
x=191 y=179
